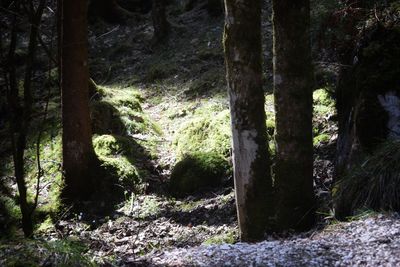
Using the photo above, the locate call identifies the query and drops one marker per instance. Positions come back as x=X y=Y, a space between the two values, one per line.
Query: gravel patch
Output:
x=371 y=241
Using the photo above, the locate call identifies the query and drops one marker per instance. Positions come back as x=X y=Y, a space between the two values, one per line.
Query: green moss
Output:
x=149 y=207
x=46 y=225
x=208 y=132
x=117 y=157
x=226 y=238
x=323 y=101
x=196 y=172
x=119 y=112
x=322 y=138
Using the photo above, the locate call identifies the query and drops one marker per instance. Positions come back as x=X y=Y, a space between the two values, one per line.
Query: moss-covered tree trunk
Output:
x=160 y=22
x=251 y=160
x=293 y=86
x=77 y=136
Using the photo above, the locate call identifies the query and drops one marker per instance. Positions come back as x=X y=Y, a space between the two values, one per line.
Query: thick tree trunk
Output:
x=77 y=136
x=293 y=85
x=251 y=160
x=160 y=22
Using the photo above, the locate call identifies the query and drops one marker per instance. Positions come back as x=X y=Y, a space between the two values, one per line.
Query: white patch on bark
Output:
x=236 y=54
x=278 y=79
x=391 y=103
x=245 y=152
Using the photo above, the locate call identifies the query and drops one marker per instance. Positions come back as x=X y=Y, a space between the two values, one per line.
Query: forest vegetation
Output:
x=199 y=133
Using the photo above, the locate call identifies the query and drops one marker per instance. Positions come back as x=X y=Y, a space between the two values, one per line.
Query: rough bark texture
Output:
x=293 y=85
x=251 y=160
x=77 y=137
x=160 y=22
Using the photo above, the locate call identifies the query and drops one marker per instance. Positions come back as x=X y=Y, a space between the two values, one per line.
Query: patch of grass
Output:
x=149 y=207
x=229 y=237
x=66 y=252
x=320 y=139
x=372 y=184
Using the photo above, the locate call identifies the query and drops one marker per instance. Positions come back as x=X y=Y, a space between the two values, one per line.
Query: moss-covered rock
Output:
x=197 y=172
x=202 y=145
x=207 y=132
x=117 y=158
x=119 y=112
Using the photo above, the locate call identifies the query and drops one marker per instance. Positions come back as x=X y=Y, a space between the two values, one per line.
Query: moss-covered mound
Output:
x=117 y=158
x=202 y=145
x=119 y=111
x=207 y=132
x=197 y=172
x=373 y=184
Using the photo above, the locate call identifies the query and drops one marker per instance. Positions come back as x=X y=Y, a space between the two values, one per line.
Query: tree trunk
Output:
x=21 y=107
x=251 y=160
x=293 y=85
x=160 y=22
x=78 y=150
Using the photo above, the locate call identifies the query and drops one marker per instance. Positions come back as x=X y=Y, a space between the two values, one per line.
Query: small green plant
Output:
x=229 y=237
x=372 y=184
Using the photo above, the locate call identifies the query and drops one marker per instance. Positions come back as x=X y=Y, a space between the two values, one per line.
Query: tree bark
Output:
x=78 y=153
x=293 y=86
x=160 y=22
x=251 y=159
x=21 y=107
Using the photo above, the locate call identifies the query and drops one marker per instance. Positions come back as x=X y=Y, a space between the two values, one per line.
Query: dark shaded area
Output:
x=363 y=98
x=196 y=173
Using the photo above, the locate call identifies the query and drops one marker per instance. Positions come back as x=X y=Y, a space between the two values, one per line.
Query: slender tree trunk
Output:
x=251 y=160
x=293 y=85
x=21 y=107
x=160 y=22
x=78 y=153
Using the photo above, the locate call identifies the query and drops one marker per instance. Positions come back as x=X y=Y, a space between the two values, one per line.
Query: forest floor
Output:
x=176 y=79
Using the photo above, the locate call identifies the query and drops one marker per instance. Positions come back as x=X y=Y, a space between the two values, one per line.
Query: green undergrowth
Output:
x=208 y=131
x=324 y=110
x=372 y=184
x=202 y=146
x=228 y=237
x=119 y=111
x=117 y=155
x=32 y=253
x=117 y=151
x=117 y=117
